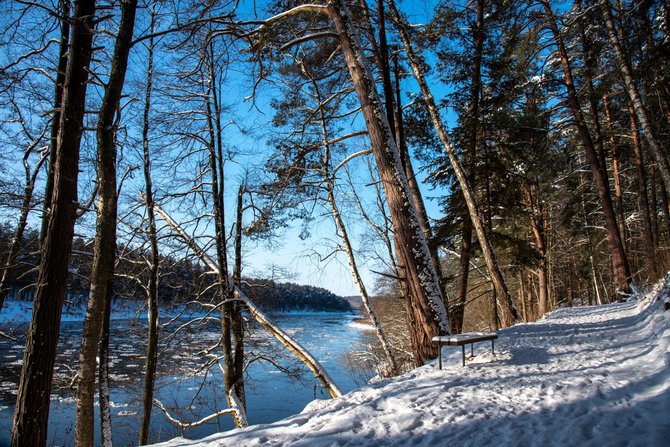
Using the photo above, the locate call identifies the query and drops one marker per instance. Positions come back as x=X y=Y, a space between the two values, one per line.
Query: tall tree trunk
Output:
x=626 y=70
x=391 y=369
x=537 y=224
x=505 y=305
x=428 y=316
x=424 y=221
x=64 y=10
x=152 y=289
x=619 y=258
x=105 y=236
x=32 y=404
x=616 y=168
x=458 y=311
x=385 y=69
x=233 y=378
x=643 y=198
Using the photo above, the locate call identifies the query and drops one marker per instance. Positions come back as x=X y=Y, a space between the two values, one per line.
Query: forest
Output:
x=482 y=162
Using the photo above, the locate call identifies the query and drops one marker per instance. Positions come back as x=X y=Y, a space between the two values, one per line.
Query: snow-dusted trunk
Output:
x=152 y=289
x=392 y=368
x=428 y=316
x=618 y=254
x=414 y=184
x=626 y=71
x=508 y=313
x=105 y=236
x=319 y=372
x=32 y=404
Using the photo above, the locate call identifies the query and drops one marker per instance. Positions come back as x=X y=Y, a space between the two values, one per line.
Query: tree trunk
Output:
x=643 y=198
x=619 y=258
x=428 y=314
x=414 y=185
x=616 y=169
x=32 y=404
x=392 y=368
x=152 y=289
x=103 y=371
x=64 y=6
x=458 y=311
x=505 y=305
x=105 y=237
x=634 y=95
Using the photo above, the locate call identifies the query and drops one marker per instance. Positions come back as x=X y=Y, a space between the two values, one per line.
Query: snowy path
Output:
x=584 y=376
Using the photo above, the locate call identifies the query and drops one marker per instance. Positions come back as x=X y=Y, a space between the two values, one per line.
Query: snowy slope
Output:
x=595 y=376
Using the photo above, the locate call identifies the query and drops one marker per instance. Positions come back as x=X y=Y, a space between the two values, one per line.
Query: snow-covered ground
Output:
x=596 y=376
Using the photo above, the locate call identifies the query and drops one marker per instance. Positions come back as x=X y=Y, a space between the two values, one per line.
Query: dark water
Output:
x=186 y=388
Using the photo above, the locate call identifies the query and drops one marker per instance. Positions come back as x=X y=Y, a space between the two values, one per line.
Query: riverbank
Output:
x=587 y=376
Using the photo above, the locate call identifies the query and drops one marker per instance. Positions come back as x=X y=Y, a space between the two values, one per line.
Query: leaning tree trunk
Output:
x=32 y=404
x=634 y=95
x=428 y=316
x=312 y=364
x=105 y=236
x=508 y=313
x=619 y=258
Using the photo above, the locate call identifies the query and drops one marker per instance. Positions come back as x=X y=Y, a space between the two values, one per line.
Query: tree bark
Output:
x=619 y=258
x=508 y=312
x=428 y=314
x=105 y=236
x=32 y=405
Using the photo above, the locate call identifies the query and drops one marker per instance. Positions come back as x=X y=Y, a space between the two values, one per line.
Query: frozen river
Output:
x=182 y=386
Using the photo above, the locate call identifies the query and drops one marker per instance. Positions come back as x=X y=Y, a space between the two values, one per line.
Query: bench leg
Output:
x=493 y=350
x=463 y=348
x=439 y=354
x=472 y=350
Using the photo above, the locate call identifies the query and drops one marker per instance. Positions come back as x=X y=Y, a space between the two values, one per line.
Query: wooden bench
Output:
x=461 y=340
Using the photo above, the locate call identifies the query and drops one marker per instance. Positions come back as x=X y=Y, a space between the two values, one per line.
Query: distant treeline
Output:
x=181 y=279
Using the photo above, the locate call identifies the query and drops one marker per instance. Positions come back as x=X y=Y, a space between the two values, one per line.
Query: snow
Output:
x=581 y=376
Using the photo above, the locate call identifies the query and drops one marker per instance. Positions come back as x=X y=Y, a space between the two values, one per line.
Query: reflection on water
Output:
x=190 y=390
